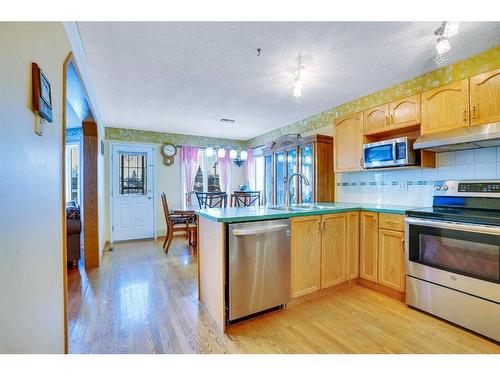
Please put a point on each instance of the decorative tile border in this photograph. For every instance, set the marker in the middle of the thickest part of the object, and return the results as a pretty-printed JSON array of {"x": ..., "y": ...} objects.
[{"x": 385, "y": 183}]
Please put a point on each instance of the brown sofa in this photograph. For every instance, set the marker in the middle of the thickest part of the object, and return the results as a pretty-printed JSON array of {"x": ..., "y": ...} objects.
[{"x": 73, "y": 231}]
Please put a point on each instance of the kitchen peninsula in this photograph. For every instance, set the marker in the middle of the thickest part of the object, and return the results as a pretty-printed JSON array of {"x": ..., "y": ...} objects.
[{"x": 326, "y": 249}]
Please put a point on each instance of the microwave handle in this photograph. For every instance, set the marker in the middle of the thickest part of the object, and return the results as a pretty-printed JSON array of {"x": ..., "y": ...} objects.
[{"x": 394, "y": 145}]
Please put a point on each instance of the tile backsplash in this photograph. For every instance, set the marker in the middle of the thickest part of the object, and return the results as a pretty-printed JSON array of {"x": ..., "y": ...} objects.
[{"x": 414, "y": 186}]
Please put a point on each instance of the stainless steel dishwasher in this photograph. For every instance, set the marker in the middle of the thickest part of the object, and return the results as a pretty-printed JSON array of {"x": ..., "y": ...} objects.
[{"x": 259, "y": 266}]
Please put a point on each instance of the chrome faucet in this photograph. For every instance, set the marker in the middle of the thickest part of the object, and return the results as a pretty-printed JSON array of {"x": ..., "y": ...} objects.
[{"x": 288, "y": 195}]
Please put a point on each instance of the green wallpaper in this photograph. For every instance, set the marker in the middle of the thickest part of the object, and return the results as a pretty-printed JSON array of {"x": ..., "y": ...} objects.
[
  {"x": 133, "y": 135},
  {"x": 483, "y": 62}
]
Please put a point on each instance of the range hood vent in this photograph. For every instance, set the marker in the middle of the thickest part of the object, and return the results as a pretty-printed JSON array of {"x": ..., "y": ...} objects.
[{"x": 487, "y": 135}]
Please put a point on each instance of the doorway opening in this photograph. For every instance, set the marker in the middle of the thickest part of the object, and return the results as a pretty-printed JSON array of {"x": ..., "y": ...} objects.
[{"x": 80, "y": 215}]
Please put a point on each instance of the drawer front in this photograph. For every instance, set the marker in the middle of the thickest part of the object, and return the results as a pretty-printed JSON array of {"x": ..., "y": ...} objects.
[{"x": 392, "y": 222}]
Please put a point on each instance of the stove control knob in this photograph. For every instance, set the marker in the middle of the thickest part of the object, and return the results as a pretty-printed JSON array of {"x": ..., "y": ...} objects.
[
  {"x": 445, "y": 187},
  {"x": 438, "y": 187}
]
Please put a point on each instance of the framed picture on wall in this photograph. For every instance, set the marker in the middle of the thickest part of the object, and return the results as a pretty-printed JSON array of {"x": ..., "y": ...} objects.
[{"x": 42, "y": 94}]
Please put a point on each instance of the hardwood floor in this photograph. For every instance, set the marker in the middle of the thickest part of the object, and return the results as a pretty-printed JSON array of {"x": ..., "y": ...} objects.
[{"x": 143, "y": 301}]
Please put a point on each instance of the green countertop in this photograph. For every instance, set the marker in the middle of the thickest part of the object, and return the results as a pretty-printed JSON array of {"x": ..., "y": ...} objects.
[{"x": 241, "y": 214}]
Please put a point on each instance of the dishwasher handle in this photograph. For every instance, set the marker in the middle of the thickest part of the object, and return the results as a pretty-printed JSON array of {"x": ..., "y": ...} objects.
[{"x": 252, "y": 231}]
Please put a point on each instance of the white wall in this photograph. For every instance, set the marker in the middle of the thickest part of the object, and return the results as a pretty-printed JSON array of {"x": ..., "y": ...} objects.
[
  {"x": 168, "y": 180},
  {"x": 31, "y": 269},
  {"x": 414, "y": 187}
]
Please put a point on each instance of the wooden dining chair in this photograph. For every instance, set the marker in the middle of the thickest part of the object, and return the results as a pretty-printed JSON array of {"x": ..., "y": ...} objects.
[
  {"x": 178, "y": 223},
  {"x": 245, "y": 198},
  {"x": 212, "y": 199}
]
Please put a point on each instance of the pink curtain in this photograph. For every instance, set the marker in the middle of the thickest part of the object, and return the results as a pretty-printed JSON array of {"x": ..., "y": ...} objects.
[
  {"x": 189, "y": 159},
  {"x": 250, "y": 170},
  {"x": 225, "y": 172}
]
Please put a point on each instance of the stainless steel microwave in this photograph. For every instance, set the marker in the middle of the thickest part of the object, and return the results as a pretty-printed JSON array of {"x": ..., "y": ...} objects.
[{"x": 396, "y": 152}]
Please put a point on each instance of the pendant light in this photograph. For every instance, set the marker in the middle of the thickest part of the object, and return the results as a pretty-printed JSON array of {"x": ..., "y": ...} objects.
[
  {"x": 297, "y": 84},
  {"x": 233, "y": 154},
  {"x": 221, "y": 153},
  {"x": 209, "y": 152},
  {"x": 243, "y": 155}
]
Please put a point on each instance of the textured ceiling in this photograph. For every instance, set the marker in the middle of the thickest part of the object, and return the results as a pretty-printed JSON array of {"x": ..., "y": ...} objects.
[{"x": 185, "y": 77}]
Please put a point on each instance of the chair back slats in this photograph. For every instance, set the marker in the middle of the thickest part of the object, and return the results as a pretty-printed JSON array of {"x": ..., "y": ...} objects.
[
  {"x": 245, "y": 199},
  {"x": 212, "y": 200},
  {"x": 166, "y": 210}
]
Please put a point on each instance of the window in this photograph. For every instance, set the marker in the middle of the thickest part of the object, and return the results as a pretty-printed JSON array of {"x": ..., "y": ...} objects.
[
  {"x": 133, "y": 174},
  {"x": 203, "y": 180},
  {"x": 72, "y": 183},
  {"x": 259, "y": 174}
]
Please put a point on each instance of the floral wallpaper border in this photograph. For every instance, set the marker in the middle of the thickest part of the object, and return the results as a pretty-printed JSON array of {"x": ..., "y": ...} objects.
[
  {"x": 483, "y": 62},
  {"x": 144, "y": 136}
]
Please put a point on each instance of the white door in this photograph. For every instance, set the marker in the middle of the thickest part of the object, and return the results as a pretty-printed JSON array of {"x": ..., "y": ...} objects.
[{"x": 132, "y": 192}]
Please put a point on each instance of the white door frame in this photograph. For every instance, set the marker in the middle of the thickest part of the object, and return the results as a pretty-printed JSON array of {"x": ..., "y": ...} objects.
[{"x": 131, "y": 146}]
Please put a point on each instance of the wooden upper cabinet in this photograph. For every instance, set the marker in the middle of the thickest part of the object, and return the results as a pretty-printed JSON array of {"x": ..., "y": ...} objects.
[
  {"x": 446, "y": 107},
  {"x": 333, "y": 250},
  {"x": 368, "y": 255},
  {"x": 391, "y": 262},
  {"x": 348, "y": 143},
  {"x": 352, "y": 245},
  {"x": 306, "y": 255},
  {"x": 485, "y": 98},
  {"x": 376, "y": 119},
  {"x": 405, "y": 112}
]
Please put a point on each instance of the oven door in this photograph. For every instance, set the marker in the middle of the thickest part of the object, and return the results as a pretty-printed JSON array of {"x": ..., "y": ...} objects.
[
  {"x": 380, "y": 154},
  {"x": 463, "y": 257}
]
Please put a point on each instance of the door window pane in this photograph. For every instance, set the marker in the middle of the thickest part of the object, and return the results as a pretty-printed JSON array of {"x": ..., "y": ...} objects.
[
  {"x": 280, "y": 178},
  {"x": 291, "y": 158},
  {"x": 269, "y": 179},
  {"x": 306, "y": 166},
  {"x": 132, "y": 174}
]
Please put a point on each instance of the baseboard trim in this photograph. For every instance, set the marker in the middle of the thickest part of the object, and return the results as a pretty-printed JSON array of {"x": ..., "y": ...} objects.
[
  {"x": 381, "y": 289},
  {"x": 320, "y": 293}
]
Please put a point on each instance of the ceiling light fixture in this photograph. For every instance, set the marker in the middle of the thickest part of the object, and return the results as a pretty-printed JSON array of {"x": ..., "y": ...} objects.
[
  {"x": 209, "y": 152},
  {"x": 243, "y": 155},
  {"x": 297, "y": 84},
  {"x": 450, "y": 29},
  {"x": 233, "y": 153},
  {"x": 446, "y": 30},
  {"x": 442, "y": 45}
]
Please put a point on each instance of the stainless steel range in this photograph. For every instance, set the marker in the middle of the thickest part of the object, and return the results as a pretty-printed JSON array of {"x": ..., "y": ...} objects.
[{"x": 453, "y": 255}]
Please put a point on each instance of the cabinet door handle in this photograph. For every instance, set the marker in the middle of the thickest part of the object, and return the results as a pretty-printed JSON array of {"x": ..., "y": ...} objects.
[
  {"x": 403, "y": 244},
  {"x": 324, "y": 226},
  {"x": 392, "y": 222},
  {"x": 473, "y": 112},
  {"x": 465, "y": 115},
  {"x": 392, "y": 120},
  {"x": 320, "y": 223},
  {"x": 386, "y": 120}
]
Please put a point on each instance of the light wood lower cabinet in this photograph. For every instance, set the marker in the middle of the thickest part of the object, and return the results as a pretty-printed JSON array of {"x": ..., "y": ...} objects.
[
  {"x": 333, "y": 249},
  {"x": 352, "y": 245},
  {"x": 391, "y": 259},
  {"x": 368, "y": 257},
  {"x": 306, "y": 255},
  {"x": 330, "y": 249},
  {"x": 325, "y": 251}
]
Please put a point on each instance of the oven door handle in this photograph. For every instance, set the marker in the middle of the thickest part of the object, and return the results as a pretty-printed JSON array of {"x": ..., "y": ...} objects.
[{"x": 476, "y": 228}]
